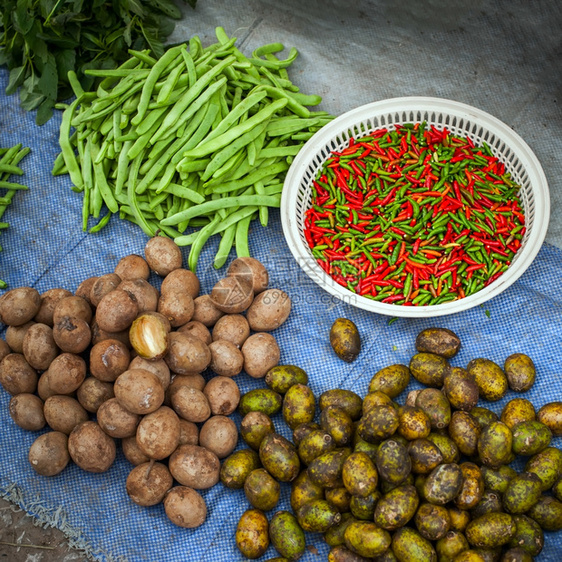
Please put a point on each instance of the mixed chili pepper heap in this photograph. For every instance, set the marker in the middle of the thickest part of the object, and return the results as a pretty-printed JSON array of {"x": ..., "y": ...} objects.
[{"x": 414, "y": 216}]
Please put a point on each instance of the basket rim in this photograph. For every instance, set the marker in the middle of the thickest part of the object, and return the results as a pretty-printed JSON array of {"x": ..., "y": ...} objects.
[{"x": 338, "y": 126}]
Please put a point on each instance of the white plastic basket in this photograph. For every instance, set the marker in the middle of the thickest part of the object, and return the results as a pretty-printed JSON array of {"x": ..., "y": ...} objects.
[{"x": 460, "y": 119}]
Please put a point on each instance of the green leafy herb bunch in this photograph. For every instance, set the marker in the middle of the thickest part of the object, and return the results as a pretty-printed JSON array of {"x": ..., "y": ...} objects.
[{"x": 41, "y": 40}]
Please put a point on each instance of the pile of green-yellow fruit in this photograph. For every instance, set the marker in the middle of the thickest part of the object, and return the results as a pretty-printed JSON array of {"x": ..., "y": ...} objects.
[{"x": 426, "y": 479}]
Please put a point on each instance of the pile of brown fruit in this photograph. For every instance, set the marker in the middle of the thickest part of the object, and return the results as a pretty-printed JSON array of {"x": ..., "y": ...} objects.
[
  {"x": 120, "y": 361},
  {"x": 423, "y": 480}
]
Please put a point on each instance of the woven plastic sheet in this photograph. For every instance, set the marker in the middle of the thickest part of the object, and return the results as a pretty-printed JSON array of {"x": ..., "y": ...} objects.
[
  {"x": 96, "y": 509},
  {"x": 350, "y": 58}
]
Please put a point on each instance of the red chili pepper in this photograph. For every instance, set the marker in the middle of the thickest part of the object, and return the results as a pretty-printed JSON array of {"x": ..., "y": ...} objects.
[
  {"x": 397, "y": 231},
  {"x": 393, "y": 298},
  {"x": 416, "y": 280},
  {"x": 493, "y": 278},
  {"x": 416, "y": 264},
  {"x": 415, "y": 148},
  {"x": 389, "y": 197},
  {"x": 431, "y": 194},
  {"x": 442, "y": 271},
  {"x": 349, "y": 150},
  {"x": 448, "y": 233},
  {"x": 386, "y": 271},
  {"x": 355, "y": 168},
  {"x": 452, "y": 204}
]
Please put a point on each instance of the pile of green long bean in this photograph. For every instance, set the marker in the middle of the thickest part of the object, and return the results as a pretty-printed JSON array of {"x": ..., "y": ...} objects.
[
  {"x": 9, "y": 160},
  {"x": 201, "y": 137}
]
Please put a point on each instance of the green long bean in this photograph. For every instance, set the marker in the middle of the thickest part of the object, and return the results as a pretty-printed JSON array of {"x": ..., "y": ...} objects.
[
  {"x": 67, "y": 149},
  {"x": 231, "y": 150},
  {"x": 233, "y": 133},
  {"x": 148, "y": 86},
  {"x": 224, "y": 203},
  {"x": 204, "y": 234},
  {"x": 194, "y": 144},
  {"x": 241, "y": 238},
  {"x": 10, "y": 158},
  {"x": 231, "y": 219},
  {"x": 191, "y": 95}
]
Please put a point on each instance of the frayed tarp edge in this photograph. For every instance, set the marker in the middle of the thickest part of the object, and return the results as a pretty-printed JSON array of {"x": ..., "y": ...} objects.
[{"x": 56, "y": 518}]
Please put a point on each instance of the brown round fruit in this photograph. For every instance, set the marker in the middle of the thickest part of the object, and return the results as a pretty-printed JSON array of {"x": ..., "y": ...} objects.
[
  {"x": 251, "y": 270},
  {"x": 223, "y": 395},
  {"x": 64, "y": 413},
  {"x": 183, "y": 280},
  {"x": 269, "y": 310},
  {"x": 205, "y": 311},
  {"x": 233, "y": 328},
  {"x": 261, "y": 353},
  {"x": 232, "y": 295},
  {"x": 226, "y": 359},
  {"x": 27, "y": 411},
  {"x": 158, "y": 433},
  {"x": 91, "y": 448},
  {"x": 177, "y": 306},
  {"x": 15, "y": 335},
  {"x": 194, "y": 466},
  {"x": 19, "y": 306},
  {"x": 108, "y": 359},
  {"x": 190, "y": 404},
  {"x": 17, "y": 375},
  {"x": 185, "y": 507},
  {"x": 72, "y": 334},
  {"x": 43, "y": 386},
  {"x": 93, "y": 393},
  {"x": 66, "y": 373},
  {"x": 187, "y": 354},
  {"x": 148, "y": 483},
  {"x": 132, "y": 451},
  {"x": 116, "y": 421},
  {"x": 219, "y": 434},
  {"x": 116, "y": 311},
  {"x": 139, "y": 391},
  {"x": 189, "y": 433},
  {"x": 73, "y": 306},
  {"x": 162, "y": 255},
  {"x": 39, "y": 347},
  {"x": 48, "y": 454},
  {"x": 132, "y": 267}
]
